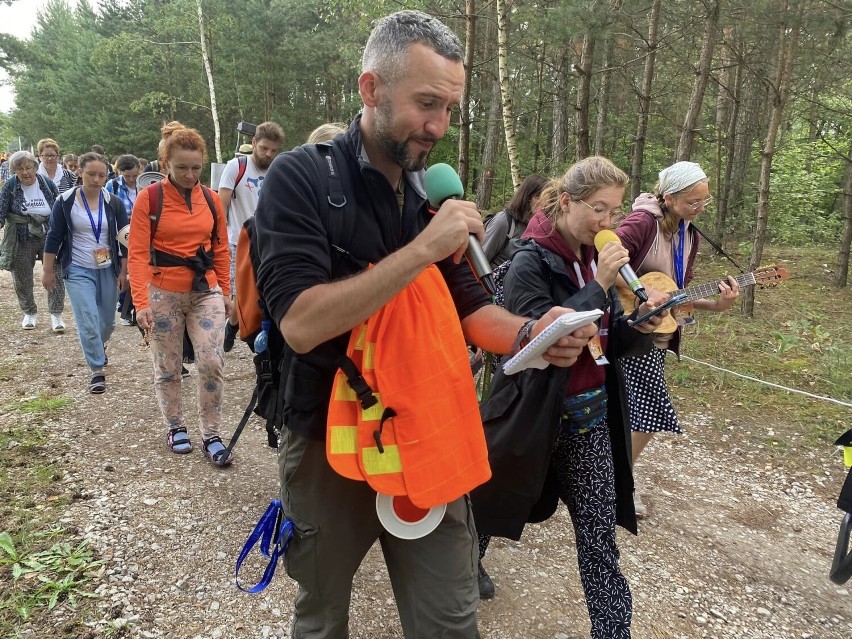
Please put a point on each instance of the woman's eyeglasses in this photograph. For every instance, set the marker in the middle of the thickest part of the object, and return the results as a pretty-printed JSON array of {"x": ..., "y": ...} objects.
[
  {"x": 48, "y": 156},
  {"x": 707, "y": 201},
  {"x": 601, "y": 212}
]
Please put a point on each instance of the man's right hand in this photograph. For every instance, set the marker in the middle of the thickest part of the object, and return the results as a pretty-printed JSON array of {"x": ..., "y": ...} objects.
[
  {"x": 565, "y": 352},
  {"x": 449, "y": 231}
]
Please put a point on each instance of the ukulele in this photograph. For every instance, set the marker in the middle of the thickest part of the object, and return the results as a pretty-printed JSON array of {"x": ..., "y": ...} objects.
[{"x": 764, "y": 276}]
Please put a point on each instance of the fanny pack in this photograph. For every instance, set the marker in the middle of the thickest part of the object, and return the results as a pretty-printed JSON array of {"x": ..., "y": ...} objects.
[{"x": 584, "y": 411}]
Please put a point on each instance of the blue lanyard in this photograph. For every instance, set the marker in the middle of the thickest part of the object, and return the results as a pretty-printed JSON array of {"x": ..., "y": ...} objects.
[
  {"x": 96, "y": 231},
  {"x": 677, "y": 250}
]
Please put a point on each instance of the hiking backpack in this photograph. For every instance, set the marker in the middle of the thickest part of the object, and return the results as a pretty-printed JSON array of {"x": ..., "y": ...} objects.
[{"x": 272, "y": 366}]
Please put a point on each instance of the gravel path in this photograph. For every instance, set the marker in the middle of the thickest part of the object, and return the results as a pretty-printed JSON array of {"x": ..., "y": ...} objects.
[{"x": 734, "y": 548}]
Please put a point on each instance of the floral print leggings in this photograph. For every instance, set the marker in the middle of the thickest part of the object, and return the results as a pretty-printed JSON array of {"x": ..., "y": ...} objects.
[{"x": 203, "y": 315}]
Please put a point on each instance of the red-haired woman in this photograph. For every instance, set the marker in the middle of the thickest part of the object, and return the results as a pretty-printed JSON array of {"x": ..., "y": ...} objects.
[{"x": 179, "y": 278}]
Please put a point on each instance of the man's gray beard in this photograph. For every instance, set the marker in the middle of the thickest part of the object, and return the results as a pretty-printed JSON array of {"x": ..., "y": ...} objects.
[{"x": 396, "y": 151}]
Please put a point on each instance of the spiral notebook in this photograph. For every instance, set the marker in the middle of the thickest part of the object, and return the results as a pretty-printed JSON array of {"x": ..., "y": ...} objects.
[{"x": 530, "y": 356}]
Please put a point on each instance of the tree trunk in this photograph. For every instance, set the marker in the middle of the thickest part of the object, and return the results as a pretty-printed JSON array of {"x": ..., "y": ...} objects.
[
  {"x": 687, "y": 134},
  {"x": 605, "y": 87},
  {"x": 843, "y": 258},
  {"x": 781, "y": 89},
  {"x": 645, "y": 102},
  {"x": 723, "y": 103},
  {"x": 581, "y": 122},
  {"x": 559, "y": 140},
  {"x": 505, "y": 91},
  {"x": 217, "y": 134},
  {"x": 490, "y": 88},
  {"x": 540, "y": 70},
  {"x": 464, "y": 105},
  {"x": 726, "y": 189}
]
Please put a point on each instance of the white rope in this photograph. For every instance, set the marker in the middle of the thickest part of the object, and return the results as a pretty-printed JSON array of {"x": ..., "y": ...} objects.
[{"x": 760, "y": 381}]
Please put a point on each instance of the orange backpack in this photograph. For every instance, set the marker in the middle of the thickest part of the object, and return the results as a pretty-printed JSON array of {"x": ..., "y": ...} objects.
[{"x": 403, "y": 414}]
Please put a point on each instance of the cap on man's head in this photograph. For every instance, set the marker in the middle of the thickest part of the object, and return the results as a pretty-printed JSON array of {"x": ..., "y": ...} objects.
[{"x": 246, "y": 149}]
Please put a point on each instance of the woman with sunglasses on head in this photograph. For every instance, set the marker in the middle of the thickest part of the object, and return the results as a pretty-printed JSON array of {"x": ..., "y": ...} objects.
[{"x": 660, "y": 237}]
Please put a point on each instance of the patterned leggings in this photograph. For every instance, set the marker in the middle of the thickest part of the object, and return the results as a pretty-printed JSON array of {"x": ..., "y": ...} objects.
[
  {"x": 203, "y": 315},
  {"x": 587, "y": 487},
  {"x": 22, "y": 278}
]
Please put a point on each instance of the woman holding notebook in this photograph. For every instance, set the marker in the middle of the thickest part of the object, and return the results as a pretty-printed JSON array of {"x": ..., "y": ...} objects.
[{"x": 563, "y": 434}]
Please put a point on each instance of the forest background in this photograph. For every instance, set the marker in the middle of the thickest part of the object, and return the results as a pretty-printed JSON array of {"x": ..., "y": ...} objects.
[{"x": 759, "y": 92}]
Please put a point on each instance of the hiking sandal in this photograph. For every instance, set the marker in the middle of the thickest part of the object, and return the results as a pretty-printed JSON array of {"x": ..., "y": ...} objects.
[
  {"x": 178, "y": 441},
  {"x": 97, "y": 385},
  {"x": 216, "y": 452}
]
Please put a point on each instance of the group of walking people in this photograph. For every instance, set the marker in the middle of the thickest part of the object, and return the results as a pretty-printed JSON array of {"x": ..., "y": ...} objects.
[{"x": 570, "y": 432}]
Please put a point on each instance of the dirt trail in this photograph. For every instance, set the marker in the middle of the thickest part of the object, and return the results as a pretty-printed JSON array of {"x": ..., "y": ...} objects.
[{"x": 733, "y": 548}]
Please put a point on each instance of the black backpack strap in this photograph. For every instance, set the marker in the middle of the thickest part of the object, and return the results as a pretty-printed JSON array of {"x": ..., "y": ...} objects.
[
  {"x": 337, "y": 209},
  {"x": 155, "y": 196},
  {"x": 208, "y": 196}
]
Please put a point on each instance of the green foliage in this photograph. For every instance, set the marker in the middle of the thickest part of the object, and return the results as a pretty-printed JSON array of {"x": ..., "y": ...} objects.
[
  {"x": 42, "y": 404},
  {"x": 41, "y": 579},
  {"x": 804, "y": 193},
  {"x": 114, "y": 75}
]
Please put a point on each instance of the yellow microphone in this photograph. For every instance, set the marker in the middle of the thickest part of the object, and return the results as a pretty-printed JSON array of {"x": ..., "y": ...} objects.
[{"x": 605, "y": 237}]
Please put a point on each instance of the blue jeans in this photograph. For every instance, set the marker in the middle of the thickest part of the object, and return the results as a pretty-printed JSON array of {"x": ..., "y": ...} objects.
[{"x": 94, "y": 294}]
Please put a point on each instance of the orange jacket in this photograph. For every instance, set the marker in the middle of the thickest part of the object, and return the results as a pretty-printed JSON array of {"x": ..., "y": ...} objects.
[
  {"x": 180, "y": 232},
  {"x": 423, "y": 436}
]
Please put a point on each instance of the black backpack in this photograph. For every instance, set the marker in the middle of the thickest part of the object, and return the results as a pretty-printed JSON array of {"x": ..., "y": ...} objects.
[{"x": 272, "y": 366}]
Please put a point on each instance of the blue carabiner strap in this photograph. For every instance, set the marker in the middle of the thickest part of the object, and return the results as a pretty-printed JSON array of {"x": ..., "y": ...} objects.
[{"x": 272, "y": 525}]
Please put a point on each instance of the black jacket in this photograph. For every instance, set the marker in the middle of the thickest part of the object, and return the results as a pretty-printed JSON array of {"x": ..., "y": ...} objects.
[
  {"x": 521, "y": 413},
  {"x": 61, "y": 236},
  {"x": 295, "y": 254}
]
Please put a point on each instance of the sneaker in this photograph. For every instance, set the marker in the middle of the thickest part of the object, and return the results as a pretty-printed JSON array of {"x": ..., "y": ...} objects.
[
  {"x": 231, "y": 331},
  {"x": 486, "y": 586},
  {"x": 184, "y": 372},
  {"x": 29, "y": 322},
  {"x": 126, "y": 321},
  {"x": 639, "y": 506},
  {"x": 58, "y": 323}
]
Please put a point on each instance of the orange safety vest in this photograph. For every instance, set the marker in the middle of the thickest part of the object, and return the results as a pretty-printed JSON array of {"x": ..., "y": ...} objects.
[{"x": 403, "y": 414}]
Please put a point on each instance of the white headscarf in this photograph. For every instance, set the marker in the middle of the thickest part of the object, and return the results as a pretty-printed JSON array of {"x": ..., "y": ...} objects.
[{"x": 680, "y": 176}]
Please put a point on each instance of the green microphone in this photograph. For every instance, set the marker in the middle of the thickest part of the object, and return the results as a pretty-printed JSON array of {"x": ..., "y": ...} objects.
[{"x": 443, "y": 183}]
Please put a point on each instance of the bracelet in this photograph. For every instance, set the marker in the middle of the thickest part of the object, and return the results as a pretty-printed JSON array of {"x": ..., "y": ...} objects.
[{"x": 523, "y": 337}]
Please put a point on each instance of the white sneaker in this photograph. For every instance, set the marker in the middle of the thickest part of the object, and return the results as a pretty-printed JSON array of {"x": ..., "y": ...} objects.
[
  {"x": 58, "y": 323},
  {"x": 641, "y": 508},
  {"x": 29, "y": 322}
]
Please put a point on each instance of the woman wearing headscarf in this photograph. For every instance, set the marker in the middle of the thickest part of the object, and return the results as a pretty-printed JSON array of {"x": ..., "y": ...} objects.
[
  {"x": 26, "y": 200},
  {"x": 84, "y": 235},
  {"x": 660, "y": 236}
]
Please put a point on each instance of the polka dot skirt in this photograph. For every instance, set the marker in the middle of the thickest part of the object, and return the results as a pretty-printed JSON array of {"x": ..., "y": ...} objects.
[{"x": 651, "y": 409}]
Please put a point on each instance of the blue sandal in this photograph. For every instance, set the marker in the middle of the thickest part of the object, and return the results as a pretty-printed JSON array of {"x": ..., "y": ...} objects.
[
  {"x": 216, "y": 452},
  {"x": 178, "y": 441}
]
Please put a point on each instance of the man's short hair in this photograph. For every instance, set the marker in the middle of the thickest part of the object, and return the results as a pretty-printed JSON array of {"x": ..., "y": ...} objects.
[
  {"x": 271, "y": 131},
  {"x": 393, "y": 34}
]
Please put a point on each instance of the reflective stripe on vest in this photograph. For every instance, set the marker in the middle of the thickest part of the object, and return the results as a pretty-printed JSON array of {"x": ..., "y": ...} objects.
[{"x": 423, "y": 437}]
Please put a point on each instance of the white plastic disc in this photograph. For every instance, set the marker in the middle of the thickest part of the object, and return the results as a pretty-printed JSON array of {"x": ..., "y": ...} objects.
[
  {"x": 403, "y": 519},
  {"x": 124, "y": 235}
]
